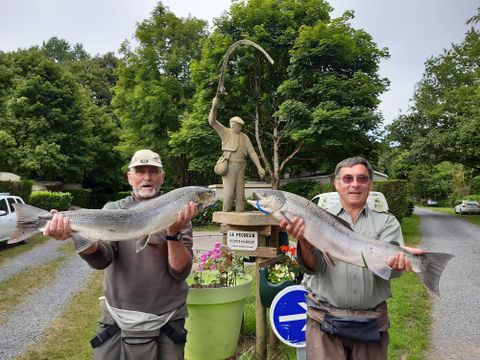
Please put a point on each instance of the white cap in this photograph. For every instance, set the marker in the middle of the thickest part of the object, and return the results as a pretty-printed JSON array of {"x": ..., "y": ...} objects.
[{"x": 145, "y": 158}]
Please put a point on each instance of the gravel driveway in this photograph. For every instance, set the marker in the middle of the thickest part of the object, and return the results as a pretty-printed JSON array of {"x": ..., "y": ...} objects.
[
  {"x": 456, "y": 313},
  {"x": 27, "y": 322}
]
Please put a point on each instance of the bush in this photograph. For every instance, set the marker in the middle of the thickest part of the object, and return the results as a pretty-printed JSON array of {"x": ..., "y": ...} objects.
[
  {"x": 301, "y": 188},
  {"x": 98, "y": 200},
  {"x": 81, "y": 197},
  {"x": 51, "y": 200},
  {"x": 395, "y": 192},
  {"x": 205, "y": 217},
  {"x": 22, "y": 188},
  {"x": 307, "y": 188},
  {"x": 410, "y": 207}
]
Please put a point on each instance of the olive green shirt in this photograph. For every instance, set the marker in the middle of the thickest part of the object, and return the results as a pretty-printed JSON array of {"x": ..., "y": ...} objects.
[{"x": 348, "y": 286}]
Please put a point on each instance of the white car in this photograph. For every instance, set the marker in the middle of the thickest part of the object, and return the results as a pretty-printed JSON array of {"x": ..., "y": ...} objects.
[
  {"x": 376, "y": 200},
  {"x": 8, "y": 220},
  {"x": 468, "y": 207}
]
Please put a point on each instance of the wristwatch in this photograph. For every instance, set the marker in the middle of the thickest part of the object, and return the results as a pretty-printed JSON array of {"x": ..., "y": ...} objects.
[{"x": 177, "y": 237}]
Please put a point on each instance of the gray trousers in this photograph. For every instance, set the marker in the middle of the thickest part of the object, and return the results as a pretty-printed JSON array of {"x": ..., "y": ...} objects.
[{"x": 137, "y": 345}]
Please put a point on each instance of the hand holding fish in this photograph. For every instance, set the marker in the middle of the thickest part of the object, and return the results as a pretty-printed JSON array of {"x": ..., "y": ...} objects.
[
  {"x": 59, "y": 227},
  {"x": 400, "y": 262},
  {"x": 184, "y": 216}
]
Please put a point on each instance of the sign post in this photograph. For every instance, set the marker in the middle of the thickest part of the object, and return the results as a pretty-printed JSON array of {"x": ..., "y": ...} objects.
[{"x": 288, "y": 316}]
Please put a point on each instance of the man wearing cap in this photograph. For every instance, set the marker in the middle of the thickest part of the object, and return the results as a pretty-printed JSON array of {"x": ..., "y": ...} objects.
[
  {"x": 236, "y": 146},
  {"x": 143, "y": 309}
]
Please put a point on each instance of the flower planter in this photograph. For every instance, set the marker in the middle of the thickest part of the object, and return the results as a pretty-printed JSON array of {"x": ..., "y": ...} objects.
[
  {"x": 214, "y": 320},
  {"x": 268, "y": 290}
]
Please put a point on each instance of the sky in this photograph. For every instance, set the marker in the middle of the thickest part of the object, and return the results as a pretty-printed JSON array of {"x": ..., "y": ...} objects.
[{"x": 412, "y": 30}]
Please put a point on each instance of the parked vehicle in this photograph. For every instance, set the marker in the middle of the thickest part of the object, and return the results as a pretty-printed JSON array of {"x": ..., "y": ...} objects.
[
  {"x": 376, "y": 200},
  {"x": 468, "y": 207},
  {"x": 431, "y": 202},
  {"x": 8, "y": 220}
]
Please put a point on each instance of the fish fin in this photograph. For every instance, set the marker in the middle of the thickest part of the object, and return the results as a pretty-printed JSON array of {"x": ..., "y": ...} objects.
[
  {"x": 30, "y": 222},
  {"x": 393, "y": 242},
  {"x": 364, "y": 261},
  {"x": 81, "y": 243},
  {"x": 432, "y": 266},
  {"x": 328, "y": 258},
  {"x": 381, "y": 270},
  {"x": 285, "y": 217},
  {"x": 140, "y": 244},
  {"x": 338, "y": 219}
]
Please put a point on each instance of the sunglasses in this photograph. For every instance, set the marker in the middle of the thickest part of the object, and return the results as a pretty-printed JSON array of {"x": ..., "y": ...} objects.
[{"x": 361, "y": 179}]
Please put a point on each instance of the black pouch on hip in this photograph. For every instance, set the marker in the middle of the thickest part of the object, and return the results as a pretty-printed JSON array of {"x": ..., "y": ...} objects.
[
  {"x": 175, "y": 330},
  {"x": 357, "y": 329}
]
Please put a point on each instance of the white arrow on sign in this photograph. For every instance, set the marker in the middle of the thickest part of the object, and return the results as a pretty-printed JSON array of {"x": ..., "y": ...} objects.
[{"x": 295, "y": 317}]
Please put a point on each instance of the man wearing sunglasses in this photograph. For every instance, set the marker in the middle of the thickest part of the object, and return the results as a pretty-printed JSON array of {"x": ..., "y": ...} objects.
[{"x": 347, "y": 309}]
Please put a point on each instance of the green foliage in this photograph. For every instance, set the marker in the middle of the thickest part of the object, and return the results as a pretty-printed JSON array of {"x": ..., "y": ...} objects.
[
  {"x": 443, "y": 122},
  {"x": 475, "y": 185},
  {"x": 81, "y": 197},
  {"x": 318, "y": 98},
  {"x": 410, "y": 207},
  {"x": 49, "y": 200},
  {"x": 395, "y": 191},
  {"x": 307, "y": 189},
  {"x": 300, "y": 187},
  {"x": 98, "y": 200},
  {"x": 21, "y": 188},
  {"x": 205, "y": 217},
  {"x": 154, "y": 84}
]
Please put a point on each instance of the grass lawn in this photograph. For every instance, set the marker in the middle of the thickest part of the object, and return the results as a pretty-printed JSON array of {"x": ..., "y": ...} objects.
[
  {"x": 409, "y": 308},
  {"x": 69, "y": 336}
]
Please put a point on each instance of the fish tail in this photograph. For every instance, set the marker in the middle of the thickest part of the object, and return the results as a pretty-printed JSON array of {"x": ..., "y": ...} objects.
[
  {"x": 30, "y": 221},
  {"x": 432, "y": 266}
]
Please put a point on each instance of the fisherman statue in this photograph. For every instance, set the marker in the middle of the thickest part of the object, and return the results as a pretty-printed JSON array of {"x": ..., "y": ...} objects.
[{"x": 231, "y": 166}]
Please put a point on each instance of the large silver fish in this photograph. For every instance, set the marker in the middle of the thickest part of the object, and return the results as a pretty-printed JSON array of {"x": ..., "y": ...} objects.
[
  {"x": 336, "y": 240},
  {"x": 139, "y": 222}
]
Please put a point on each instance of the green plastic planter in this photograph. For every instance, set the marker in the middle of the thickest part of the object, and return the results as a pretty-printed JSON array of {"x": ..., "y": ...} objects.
[
  {"x": 214, "y": 320},
  {"x": 269, "y": 290}
]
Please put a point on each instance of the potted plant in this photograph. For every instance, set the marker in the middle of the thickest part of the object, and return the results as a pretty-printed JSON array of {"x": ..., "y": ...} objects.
[
  {"x": 278, "y": 273},
  {"x": 219, "y": 288}
]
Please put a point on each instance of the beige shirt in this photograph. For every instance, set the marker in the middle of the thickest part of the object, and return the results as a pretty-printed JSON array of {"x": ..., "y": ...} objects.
[{"x": 347, "y": 286}]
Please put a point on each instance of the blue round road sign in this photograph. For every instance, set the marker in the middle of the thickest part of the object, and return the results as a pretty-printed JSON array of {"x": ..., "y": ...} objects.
[{"x": 288, "y": 316}]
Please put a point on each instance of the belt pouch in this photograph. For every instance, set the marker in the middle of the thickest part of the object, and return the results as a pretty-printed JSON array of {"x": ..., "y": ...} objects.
[
  {"x": 357, "y": 329},
  {"x": 140, "y": 345}
]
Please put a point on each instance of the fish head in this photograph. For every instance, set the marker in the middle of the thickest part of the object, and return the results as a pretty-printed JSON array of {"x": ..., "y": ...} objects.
[
  {"x": 205, "y": 198},
  {"x": 268, "y": 201}
]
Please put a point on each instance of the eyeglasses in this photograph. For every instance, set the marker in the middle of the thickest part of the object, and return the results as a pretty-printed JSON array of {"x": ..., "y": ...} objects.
[{"x": 361, "y": 179}]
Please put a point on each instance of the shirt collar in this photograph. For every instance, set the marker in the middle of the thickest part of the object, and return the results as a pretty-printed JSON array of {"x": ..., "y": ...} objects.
[{"x": 338, "y": 209}]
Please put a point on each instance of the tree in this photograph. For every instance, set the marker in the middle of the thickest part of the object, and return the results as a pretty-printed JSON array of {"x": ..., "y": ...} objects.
[
  {"x": 443, "y": 123},
  {"x": 60, "y": 50},
  {"x": 51, "y": 126},
  {"x": 154, "y": 85},
  {"x": 294, "y": 110}
]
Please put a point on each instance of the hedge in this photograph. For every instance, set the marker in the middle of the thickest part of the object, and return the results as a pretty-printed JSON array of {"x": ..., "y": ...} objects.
[
  {"x": 51, "y": 200},
  {"x": 22, "y": 188},
  {"x": 395, "y": 192},
  {"x": 81, "y": 197}
]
